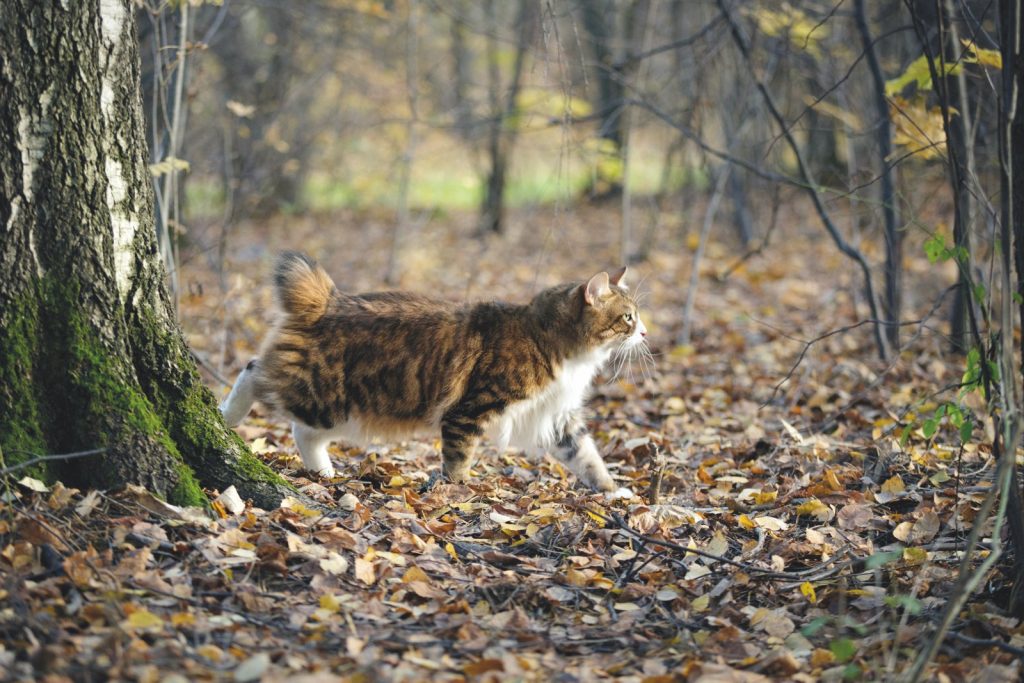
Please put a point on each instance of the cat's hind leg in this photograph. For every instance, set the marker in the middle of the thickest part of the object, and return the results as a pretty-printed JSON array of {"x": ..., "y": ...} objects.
[
  {"x": 312, "y": 444},
  {"x": 236, "y": 406}
]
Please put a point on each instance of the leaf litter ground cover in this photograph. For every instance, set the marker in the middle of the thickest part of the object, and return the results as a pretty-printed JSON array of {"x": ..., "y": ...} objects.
[{"x": 782, "y": 531}]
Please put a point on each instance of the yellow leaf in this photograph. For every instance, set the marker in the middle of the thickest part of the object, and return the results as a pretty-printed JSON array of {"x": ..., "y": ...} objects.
[
  {"x": 765, "y": 497},
  {"x": 808, "y": 592},
  {"x": 329, "y": 603},
  {"x": 746, "y": 522},
  {"x": 692, "y": 240},
  {"x": 597, "y": 518},
  {"x": 291, "y": 503},
  {"x": 759, "y": 615},
  {"x": 917, "y": 72},
  {"x": 414, "y": 573},
  {"x": 983, "y": 56},
  {"x": 211, "y": 652},
  {"x": 143, "y": 620},
  {"x": 450, "y": 549},
  {"x": 700, "y": 604},
  {"x": 183, "y": 619},
  {"x": 815, "y": 508},
  {"x": 832, "y": 480},
  {"x": 575, "y": 577},
  {"x": 917, "y": 128},
  {"x": 219, "y": 508},
  {"x": 893, "y": 485}
]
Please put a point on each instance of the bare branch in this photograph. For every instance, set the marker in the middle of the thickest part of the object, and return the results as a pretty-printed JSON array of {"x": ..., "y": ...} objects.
[{"x": 810, "y": 185}]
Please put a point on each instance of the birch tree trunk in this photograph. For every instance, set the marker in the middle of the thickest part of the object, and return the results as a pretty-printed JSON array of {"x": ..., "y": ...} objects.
[{"x": 90, "y": 356}]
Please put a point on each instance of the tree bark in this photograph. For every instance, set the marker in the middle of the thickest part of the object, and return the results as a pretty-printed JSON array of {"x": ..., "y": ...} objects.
[
  {"x": 90, "y": 355},
  {"x": 1011, "y": 138},
  {"x": 503, "y": 129},
  {"x": 597, "y": 18},
  {"x": 883, "y": 137}
]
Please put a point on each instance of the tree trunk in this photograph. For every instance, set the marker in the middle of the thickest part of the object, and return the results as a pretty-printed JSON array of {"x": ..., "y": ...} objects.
[
  {"x": 503, "y": 129},
  {"x": 1011, "y": 134},
  {"x": 256, "y": 51},
  {"x": 90, "y": 356},
  {"x": 962, "y": 158},
  {"x": 597, "y": 21},
  {"x": 461, "y": 61},
  {"x": 883, "y": 137}
]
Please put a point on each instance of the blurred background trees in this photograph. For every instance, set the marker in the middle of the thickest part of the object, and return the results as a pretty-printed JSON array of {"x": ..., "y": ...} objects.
[{"x": 408, "y": 108}]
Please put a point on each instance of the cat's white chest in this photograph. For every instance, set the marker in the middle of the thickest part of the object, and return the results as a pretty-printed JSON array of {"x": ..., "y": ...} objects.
[{"x": 538, "y": 421}]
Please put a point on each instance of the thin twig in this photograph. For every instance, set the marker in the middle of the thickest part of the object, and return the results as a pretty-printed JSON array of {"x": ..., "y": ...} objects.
[
  {"x": 988, "y": 642},
  {"x": 831, "y": 333},
  {"x": 47, "y": 458},
  {"x": 619, "y": 523},
  {"x": 209, "y": 368}
]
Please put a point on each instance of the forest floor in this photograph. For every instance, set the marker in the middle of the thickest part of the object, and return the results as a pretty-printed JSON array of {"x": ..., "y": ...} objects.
[{"x": 782, "y": 530}]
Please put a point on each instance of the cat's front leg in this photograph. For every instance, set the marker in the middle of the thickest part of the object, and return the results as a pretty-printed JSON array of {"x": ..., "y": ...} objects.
[{"x": 576, "y": 450}]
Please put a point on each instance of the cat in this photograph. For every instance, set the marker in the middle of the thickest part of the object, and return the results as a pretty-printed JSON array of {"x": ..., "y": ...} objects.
[{"x": 394, "y": 364}]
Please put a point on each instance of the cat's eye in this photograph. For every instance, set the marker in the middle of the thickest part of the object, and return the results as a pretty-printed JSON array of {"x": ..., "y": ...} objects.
[{"x": 628, "y": 317}]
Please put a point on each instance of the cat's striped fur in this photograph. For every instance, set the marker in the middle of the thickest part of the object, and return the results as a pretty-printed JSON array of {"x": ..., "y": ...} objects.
[{"x": 392, "y": 364}]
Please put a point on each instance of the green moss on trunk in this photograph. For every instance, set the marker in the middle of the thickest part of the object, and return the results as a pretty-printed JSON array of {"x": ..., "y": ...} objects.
[
  {"x": 21, "y": 429},
  {"x": 101, "y": 405},
  {"x": 167, "y": 372}
]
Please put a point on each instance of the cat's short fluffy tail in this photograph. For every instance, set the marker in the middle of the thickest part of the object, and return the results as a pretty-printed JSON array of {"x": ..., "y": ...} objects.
[{"x": 303, "y": 288}]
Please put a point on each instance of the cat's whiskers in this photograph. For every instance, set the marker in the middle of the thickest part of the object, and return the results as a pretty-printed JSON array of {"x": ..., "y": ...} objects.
[
  {"x": 620, "y": 359},
  {"x": 628, "y": 356},
  {"x": 646, "y": 361}
]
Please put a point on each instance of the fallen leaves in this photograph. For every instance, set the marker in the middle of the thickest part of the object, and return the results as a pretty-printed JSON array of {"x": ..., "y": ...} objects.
[{"x": 792, "y": 536}]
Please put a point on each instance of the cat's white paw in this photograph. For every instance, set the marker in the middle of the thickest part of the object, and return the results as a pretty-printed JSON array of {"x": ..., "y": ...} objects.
[
  {"x": 622, "y": 493},
  {"x": 326, "y": 472}
]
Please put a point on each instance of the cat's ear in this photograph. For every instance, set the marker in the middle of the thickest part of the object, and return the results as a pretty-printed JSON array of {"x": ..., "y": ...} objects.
[
  {"x": 616, "y": 278},
  {"x": 596, "y": 288}
]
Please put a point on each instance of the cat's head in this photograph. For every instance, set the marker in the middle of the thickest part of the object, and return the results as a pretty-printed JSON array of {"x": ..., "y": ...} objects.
[{"x": 609, "y": 315}]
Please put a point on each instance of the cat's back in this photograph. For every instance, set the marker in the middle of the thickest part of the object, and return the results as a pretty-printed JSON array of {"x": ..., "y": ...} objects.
[
  {"x": 380, "y": 317},
  {"x": 392, "y": 304}
]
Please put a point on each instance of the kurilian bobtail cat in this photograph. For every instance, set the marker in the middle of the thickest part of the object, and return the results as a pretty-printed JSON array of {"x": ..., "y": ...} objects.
[{"x": 391, "y": 364}]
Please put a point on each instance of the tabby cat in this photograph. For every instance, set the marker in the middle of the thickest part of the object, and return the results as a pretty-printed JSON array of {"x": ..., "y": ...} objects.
[{"x": 392, "y": 364}]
